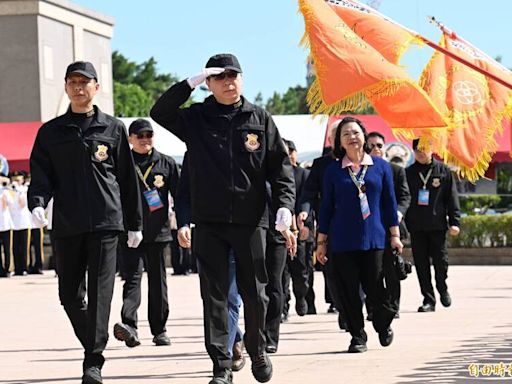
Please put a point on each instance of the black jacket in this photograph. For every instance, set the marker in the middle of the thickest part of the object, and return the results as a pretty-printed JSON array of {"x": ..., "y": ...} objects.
[
  {"x": 91, "y": 176},
  {"x": 443, "y": 198},
  {"x": 164, "y": 177},
  {"x": 312, "y": 191},
  {"x": 230, "y": 159},
  {"x": 402, "y": 194}
]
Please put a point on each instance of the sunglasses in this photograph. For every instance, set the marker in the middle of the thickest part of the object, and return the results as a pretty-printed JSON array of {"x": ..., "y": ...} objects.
[
  {"x": 378, "y": 145},
  {"x": 144, "y": 135},
  {"x": 223, "y": 75}
]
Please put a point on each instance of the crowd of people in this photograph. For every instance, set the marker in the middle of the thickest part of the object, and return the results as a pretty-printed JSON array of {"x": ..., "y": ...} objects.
[{"x": 250, "y": 215}]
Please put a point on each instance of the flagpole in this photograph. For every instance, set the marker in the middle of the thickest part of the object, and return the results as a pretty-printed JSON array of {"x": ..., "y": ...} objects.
[{"x": 458, "y": 58}]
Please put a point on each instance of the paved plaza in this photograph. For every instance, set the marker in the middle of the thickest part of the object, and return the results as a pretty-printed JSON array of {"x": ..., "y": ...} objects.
[{"x": 37, "y": 344}]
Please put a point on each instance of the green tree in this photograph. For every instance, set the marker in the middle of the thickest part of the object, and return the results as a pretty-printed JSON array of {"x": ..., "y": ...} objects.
[{"x": 137, "y": 86}]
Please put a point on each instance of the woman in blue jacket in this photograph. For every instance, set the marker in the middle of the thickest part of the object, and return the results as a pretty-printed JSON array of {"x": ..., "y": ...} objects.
[{"x": 358, "y": 213}]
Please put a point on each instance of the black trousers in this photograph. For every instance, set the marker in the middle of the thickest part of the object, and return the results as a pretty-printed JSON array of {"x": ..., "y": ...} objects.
[
  {"x": 212, "y": 244},
  {"x": 20, "y": 250},
  {"x": 275, "y": 261},
  {"x": 362, "y": 268},
  {"x": 152, "y": 256},
  {"x": 297, "y": 271},
  {"x": 426, "y": 246},
  {"x": 36, "y": 242},
  {"x": 94, "y": 252},
  {"x": 180, "y": 258},
  {"x": 393, "y": 289},
  {"x": 6, "y": 245},
  {"x": 310, "y": 295},
  {"x": 332, "y": 286}
]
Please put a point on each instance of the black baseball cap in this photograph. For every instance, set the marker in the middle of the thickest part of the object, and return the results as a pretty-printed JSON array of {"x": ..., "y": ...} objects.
[
  {"x": 224, "y": 60},
  {"x": 291, "y": 145},
  {"x": 140, "y": 125},
  {"x": 83, "y": 68}
]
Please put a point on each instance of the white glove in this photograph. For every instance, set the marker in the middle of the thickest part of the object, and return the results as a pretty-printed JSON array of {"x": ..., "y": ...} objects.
[
  {"x": 283, "y": 219},
  {"x": 194, "y": 81},
  {"x": 39, "y": 217},
  {"x": 134, "y": 238}
]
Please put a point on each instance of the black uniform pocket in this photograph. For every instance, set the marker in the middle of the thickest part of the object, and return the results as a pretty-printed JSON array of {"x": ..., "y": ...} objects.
[
  {"x": 251, "y": 138},
  {"x": 101, "y": 149}
]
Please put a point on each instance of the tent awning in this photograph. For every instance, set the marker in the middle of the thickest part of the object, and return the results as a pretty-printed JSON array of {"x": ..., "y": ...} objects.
[{"x": 16, "y": 143}]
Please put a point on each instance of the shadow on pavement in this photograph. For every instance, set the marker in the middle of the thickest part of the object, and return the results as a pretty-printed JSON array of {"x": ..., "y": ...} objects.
[{"x": 487, "y": 358}]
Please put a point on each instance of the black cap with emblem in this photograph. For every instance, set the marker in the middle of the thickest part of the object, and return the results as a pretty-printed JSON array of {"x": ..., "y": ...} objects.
[
  {"x": 140, "y": 125},
  {"x": 224, "y": 60},
  {"x": 83, "y": 68}
]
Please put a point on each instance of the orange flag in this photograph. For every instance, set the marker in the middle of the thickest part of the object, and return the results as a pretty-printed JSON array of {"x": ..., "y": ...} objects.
[
  {"x": 474, "y": 104},
  {"x": 350, "y": 73},
  {"x": 382, "y": 33}
]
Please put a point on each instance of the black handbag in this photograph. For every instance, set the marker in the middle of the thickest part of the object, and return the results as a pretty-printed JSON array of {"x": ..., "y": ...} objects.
[{"x": 402, "y": 267}]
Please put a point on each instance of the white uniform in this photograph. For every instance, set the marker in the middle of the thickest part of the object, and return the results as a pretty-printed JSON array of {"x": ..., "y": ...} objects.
[{"x": 6, "y": 199}]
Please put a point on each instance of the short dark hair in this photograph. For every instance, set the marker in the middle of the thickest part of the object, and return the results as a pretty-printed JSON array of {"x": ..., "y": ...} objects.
[
  {"x": 377, "y": 134},
  {"x": 338, "y": 151}
]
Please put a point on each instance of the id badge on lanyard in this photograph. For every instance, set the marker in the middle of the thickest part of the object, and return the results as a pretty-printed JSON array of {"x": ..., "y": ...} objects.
[
  {"x": 363, "y": 199},
  {"x": 365, "y": 207},
  {"x": 423, "y": 196},
  {"x": 153, "y": 199}
]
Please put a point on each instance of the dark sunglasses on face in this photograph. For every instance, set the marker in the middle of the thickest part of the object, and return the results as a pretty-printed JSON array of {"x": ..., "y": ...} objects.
[
  {"x": 378, "y": 145},
  {"x": 223, "y": 75},
  {"x": 144, "y": 135}
]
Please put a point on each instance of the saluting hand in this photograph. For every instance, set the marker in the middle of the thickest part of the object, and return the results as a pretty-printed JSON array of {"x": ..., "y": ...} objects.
[
  {"x": 185, "y": 237},
  {"x": 196, "y": 80}
]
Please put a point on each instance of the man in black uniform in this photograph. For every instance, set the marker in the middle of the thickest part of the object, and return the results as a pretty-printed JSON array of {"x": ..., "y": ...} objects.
[
  {"x": 434, "y": 198},
  {"x": 83, "y": 160},
  {"x": 234, "y": 148},
  {"x": 376, "y": 143},
  {"x": 297, "y": 269},
  {"x": 158, "y": 176}
]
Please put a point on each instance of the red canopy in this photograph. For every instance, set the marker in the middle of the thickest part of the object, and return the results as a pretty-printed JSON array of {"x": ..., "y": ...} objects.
[{"x": 16, "y": 141}]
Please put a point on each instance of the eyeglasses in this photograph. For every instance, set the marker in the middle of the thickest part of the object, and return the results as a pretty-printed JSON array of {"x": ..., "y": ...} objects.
[
  {"x": 221, "y": 76},
  {"x": 145, "y": 135},
  {"x": 378, "y": 145}
]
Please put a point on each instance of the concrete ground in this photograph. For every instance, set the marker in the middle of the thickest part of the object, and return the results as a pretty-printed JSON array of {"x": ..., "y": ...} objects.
[{"x": 37, "y": 344}]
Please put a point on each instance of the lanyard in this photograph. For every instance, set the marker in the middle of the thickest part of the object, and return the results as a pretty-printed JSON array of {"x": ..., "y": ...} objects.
[
  {"x": 425, "y": 179},
  {"x": 359, "y": 183},
  {"x": 144, "y": 177}
]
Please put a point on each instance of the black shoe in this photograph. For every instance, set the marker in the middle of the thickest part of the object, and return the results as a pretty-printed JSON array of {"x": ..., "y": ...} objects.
[
  {"x": 357, "y": 346},
  {"x": 397, "y": 315},
  {"x": 446, "y": 300},
  {"x": 427, "y": 308},
  {"x": 386, "y": 337},
  {"x": 301, "y": 307},
  {"x": 124, "y": 332},
  {"x": 332, "y": 309},
  {"x": 271, "y": 348},
  {"x": 224, "y": 376},
  {"x": 284, "y": 318},
  {"x": 92, "y": 375},
  {"x": 261, "y": 368},
  {"x": 161, "y": 339},
  {"x": 311, "y": 309},
  {"x": 238, "y": 359}
]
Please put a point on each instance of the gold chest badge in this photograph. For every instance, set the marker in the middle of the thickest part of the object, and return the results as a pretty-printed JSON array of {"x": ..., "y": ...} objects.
[
  {"x": 251, "y": 142},
  {"x": 159, "y": 181},
  {"x": 101, "y": 152},
  {"x": 436, "y": 182}
]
